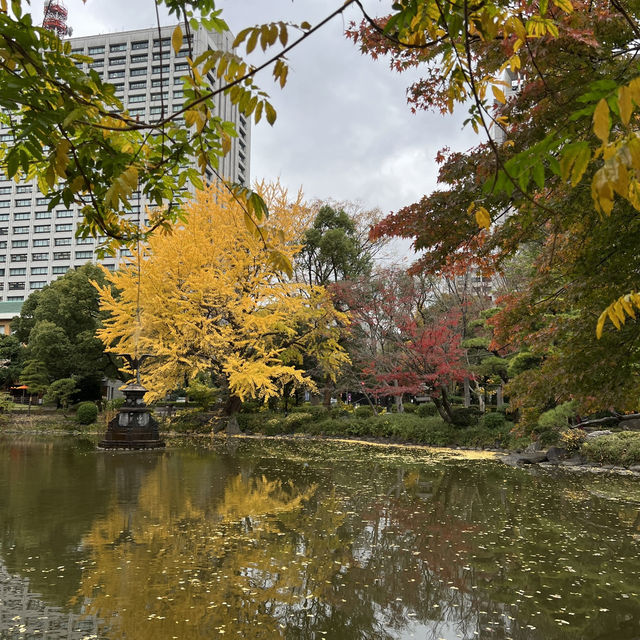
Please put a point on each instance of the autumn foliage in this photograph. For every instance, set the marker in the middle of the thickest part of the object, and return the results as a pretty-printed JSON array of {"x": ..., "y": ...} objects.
[{"x": 207, "y": 300}]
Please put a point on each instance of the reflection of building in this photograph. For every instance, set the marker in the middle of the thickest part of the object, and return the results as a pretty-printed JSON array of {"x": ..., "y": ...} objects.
[
  {"x": 23, "y": 614},
  {"x": 8, "y": 311},
  {"x": 38, "y": 245}
]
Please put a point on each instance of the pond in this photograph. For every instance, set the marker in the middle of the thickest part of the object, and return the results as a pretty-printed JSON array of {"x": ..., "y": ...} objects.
[{"x": 264, "y": 539}]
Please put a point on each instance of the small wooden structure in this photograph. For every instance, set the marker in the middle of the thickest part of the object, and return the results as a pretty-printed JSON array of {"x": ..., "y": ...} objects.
[{"x": 134, "y": 427}]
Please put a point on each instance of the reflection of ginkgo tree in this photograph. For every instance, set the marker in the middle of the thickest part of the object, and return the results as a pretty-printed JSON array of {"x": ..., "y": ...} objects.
[
  {"x": 201, "y": 571},
  {"x": 207, "y": 300}
]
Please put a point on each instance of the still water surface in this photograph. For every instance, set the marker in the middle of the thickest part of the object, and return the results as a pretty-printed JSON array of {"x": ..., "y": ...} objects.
[{"x": 309, "y": 540}]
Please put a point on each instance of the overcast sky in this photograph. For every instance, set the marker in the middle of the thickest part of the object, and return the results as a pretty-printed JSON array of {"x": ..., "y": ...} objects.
[{"x": 344, "y": 129}]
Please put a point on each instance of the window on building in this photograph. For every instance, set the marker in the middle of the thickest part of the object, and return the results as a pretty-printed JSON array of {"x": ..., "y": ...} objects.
[
  {"x": 176, "y": 107},
  {"x": 42, "y": 201},
  {"x": 5, "y": 190},
  {"x": 62, "y": 255},
  {"x": 125, "y": 253},
  {"x": 178, "y": 94},
  {"x": 138, "y": 84},
  {"x": 22, "y": 216},
  {"x": 43, "y": 215},
  {"x": 183, "y": 53},
  {"x": 137, "y": 112},
  {"x": 6, "y": 137},
  {"x": 164, "y": 82},
  {"x": 19, "y": 230},
  {"x": 37, "y": 284},
  {"x": 62, "y": 242},
  {"x": 39, "y": 257},
  {"x": 4, "y": 231},
  {"x": 24, "y": 188},
  {"x": 141, "y": 44},
  {"x": 178, "y": 80},
  {"x": 39, "y": 271},
  {"x": 117, "y": 62},
  {"x": 138, "y": 98},
  {"x": 14, "y": 298},
  {"x": 60, "y": 269},
  {"x": 84, "y": 241},
  {"x": 119, "y": 87},
  {"x": 4, "y": 217},
  {"x": 138, "y": 71},
  {"x": 120, "y": 46},
  {"x": 16, "y": 286},
  {"x": 41, "y": 242},
  {"x": 96, "y": 64},
  {"x": 5, "y": 204},
  {"x": 64, "y": 213},
  {"x": 181, "y": 66},
  {"x": 23, "y": 202},
  {"x": 18, "y": 257},
  {"x": 116, "y": 74},
  {"x": 139, "y": 59},
  {"x": 3, "y": 244},
  {"x": 94, "y": 50},
  {"x": 64, "y": 227},
  {"x": 84, "y": 255},
  {"x": 155, "y": 111},
  {"x": 160, "y": 69},
  {"x": 42, "y": 228},
  {"x": 165, "y": 42},
  {"x": 19, "y": 271},
  {"x": 17, "y": 244},
  {"x": 110, "y": 267},
  {"x": 164, "y": 55},
  {"x": 157, "y": 97}
]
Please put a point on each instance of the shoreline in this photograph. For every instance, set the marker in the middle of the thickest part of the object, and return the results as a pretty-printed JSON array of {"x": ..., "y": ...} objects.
[{"x": 511, "y": 458}]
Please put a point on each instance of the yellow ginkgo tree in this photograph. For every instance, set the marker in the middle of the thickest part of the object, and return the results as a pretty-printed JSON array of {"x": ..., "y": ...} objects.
[{"x": 208, "y": 300}]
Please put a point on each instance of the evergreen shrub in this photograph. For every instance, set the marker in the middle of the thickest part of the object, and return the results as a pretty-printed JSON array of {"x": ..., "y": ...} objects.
[
  {"x": 427, "y": 409},
  {"x": 492, "y": 420},
  {"x": 86, "y": 413}
]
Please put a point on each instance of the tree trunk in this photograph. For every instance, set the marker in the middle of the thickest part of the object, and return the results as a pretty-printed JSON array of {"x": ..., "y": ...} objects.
[
  {"x": 500, "y": 397},
  {"x": 398, "y": 398},
  {"x": 443, "y": 406},
  {"x": 231, "y": 409},
  {"x": 467, "y": 393}
]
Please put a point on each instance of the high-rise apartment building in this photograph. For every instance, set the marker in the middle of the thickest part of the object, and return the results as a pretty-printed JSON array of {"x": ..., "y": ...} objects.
[{"x": 38, "y": 245}]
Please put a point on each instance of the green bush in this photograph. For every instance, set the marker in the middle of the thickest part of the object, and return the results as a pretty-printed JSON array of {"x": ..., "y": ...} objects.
[
  {"x": 456, "y": 400},
  {"x": 619, "y": 448},
  {"x": 427, "y": 410},
  {"x": 86, "y": 413},
  {"x": 492, "y": 420},
  {"x": 409, "y": 407},
  {"x": 551, "y": 423},
  {"x": 363, "y": 412},
  {"x": 465, "y": 416},
  {"x": 339, "y": 411}
]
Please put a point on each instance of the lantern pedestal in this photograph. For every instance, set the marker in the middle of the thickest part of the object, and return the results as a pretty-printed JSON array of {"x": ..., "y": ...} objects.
[{"x": 134, "y": 427}]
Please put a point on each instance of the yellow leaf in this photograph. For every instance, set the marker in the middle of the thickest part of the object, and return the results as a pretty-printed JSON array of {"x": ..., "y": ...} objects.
[
  {"x": 565, "y": 5},
  {"x": 483, "y": 218},
  {"x": 625, "y": 104},
  {"x": 498, "y": 94},
  {"x": 176, "y": 38},
  {"x": 602, "y": 121}
]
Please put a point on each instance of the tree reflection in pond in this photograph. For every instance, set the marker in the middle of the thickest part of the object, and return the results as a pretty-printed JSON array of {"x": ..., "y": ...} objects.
[{"x": 317, "y": 540}]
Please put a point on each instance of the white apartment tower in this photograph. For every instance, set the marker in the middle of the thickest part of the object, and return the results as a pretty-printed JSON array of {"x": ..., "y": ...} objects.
[{"x": 38, "y": 245}]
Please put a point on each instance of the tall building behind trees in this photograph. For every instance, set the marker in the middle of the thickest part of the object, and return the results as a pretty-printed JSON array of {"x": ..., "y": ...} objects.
[{"x": 38, "y": 245}]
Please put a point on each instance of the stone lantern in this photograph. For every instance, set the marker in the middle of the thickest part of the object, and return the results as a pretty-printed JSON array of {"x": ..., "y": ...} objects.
[{"x": 134, "y": 427}]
